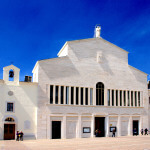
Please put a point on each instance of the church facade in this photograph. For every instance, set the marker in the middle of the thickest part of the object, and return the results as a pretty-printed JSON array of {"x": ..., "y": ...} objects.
[
  {"x": 88, "y": 90},
  {"x": 18, "y": 105},
  {"x": 89, "y": 87}
]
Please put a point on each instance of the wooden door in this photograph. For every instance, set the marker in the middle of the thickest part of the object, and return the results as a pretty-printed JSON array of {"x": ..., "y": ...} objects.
[{"x": 9, "y": 131}]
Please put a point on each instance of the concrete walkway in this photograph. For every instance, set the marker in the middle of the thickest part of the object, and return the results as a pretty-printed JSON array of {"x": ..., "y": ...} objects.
[{"x": 106, "y": 143}]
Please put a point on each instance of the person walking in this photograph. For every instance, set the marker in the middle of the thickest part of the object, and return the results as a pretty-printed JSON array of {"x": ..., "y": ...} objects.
[
  {"x": 113, "y": 133},
  {"x": 134, "y": 132},
  {"x": 142, "y": 131},
  {"x": 146, "y": 131},
  {"x": 21, "y": 135},
  {"x": 17, "y": 136},
  {"x": 96, "y": 132}
]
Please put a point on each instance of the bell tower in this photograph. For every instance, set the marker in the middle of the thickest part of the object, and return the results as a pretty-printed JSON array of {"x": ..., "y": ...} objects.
[{"x": 11, "y": 74}]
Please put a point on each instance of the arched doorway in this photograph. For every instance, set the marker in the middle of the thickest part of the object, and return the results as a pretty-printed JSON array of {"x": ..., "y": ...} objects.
[{"x": 9, "y": 129}]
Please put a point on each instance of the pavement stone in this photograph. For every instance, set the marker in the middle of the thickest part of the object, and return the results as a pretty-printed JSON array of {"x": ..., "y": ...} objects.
[{"x": 104, "y": 143}]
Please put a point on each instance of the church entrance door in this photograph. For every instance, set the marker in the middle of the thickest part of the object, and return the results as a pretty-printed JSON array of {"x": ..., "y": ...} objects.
[
  {"x": 9, "y": 131},
  {"x": 136, "y": 126},
  {"x": 100, "y": 125}
]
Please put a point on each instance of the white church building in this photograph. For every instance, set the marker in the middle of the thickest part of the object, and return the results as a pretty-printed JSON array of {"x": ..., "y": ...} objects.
[
  {"x": 89, "y": 86},
  {"x": 18, "y": 105}
]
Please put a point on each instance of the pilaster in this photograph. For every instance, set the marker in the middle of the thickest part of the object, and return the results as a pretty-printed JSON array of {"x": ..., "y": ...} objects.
[
  {"x": 89, "y": 96},
  {"x": 107, "y": 125},
  {"x": 64, "y": 98},
  {"x": 114, "y": 97},
  {"x": 118, "y": 98},
  {"x": 74, "y": 98},
  {"x": 64, "y": 127},
  {"x": 79, "y": 127},
  {"x": 79, "y": 96},
  {"x": 110, "y": 97},
  {"x": 48, "y": 127},
  {"x": 119, "y": 125},
  {"x": 69, "y": 95},
  {"x": 92, "y": 126},
  {"x": 130, "y": 126},
  {"x": 59, "y": 94},
  {"x": 105, "y": 98},
  {"x": 54, "y": 94}
]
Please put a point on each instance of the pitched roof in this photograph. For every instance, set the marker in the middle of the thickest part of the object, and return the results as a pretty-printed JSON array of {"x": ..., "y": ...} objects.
[{"x": 88, "y": 40}]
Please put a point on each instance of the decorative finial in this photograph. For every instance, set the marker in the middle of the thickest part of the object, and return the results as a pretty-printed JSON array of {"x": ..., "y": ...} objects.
[{"x": 97, "y": 31}]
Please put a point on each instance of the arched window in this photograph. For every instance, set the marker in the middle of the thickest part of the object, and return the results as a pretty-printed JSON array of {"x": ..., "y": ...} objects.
[
  {"x": 9, "y": 119},
  {"x": 11, "y": 75},
  {"x": 99, "y": 93}
]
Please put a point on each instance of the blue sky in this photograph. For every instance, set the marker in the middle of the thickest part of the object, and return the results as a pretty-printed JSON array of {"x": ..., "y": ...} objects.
[{"x": 32, "y": 30}]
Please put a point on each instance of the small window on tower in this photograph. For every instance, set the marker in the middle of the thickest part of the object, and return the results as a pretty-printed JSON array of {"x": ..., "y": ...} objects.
[{"x": 11, "y": 75}]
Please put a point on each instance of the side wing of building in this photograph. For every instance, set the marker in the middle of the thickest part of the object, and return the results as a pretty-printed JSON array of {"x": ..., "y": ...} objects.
[{"x": 18, "y": 105}]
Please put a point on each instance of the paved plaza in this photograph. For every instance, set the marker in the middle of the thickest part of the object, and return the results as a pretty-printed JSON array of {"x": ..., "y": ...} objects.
[{"x": 106, "y": 143}]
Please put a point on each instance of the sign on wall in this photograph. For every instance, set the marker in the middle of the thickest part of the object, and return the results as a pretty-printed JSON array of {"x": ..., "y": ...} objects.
[
  {"x": 86, "y": 130},
  {"x": 113, "y": 128}
]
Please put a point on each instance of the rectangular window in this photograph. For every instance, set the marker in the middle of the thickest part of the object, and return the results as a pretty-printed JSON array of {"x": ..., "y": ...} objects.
[
  {"x": 72, "y": 95},
  {"x": 108, "y": 97},
  {"x": 91, "y": 96},
  {"x": 77, "y": 95},
  {"x": 116, "y": 97},
  {"x": 56, "y": 94},
  {"x": 10, "y": 107},
  {"x": 81, "y": 96},
  {"x": 62, "y": 94},
  {"x": 131, "y": 98},
  {"x": 139, "y": 98},
  {"x": 135, "y": 98},
  {"x": 67, "y": 94},
  {"x": 124, "y": 95},
  {"x": 112, "y": 97},
  {"x": 120, "y": 98},
  {"x": 51, "y": 94},
  {"x": 86, "y": 96},
  {"x": 128, "y": 98}
]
